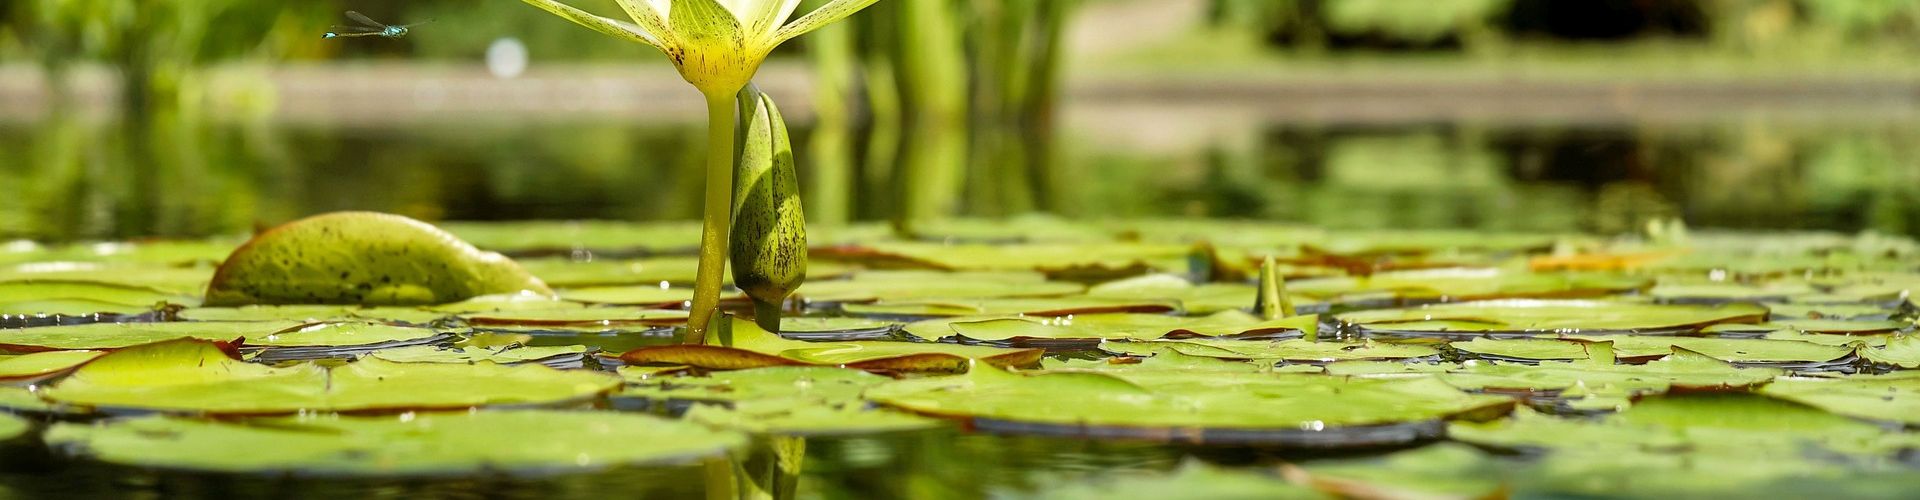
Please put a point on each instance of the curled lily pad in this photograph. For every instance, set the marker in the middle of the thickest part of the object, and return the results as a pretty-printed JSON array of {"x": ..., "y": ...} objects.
[
  {"x": 1203, "y": 407},
  {"x": 1052, "y": 306},
  {"x": 362, "y": 258},
  {"x": 747, "y": 346},
  {"x": 1092, "y": 328},
  {"x": 42, "y": 364},
  {"x": 192, "y": 376},
  {"x": 407, "y": 445},
  {"x": 1885, "y": 398},
  {"x": 1292, "y": 351},
  {"x": 1536, "y": 317},
  {"x": 1900, "y": 350}
]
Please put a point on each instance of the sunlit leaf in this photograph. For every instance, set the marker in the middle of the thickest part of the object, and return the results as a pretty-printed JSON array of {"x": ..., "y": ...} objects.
[{"x": 362, "y": 258}]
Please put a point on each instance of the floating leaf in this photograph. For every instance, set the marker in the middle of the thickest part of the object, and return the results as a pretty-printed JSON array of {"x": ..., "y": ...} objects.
[
  {"x": 1193, "y": 480},
  {"x": 13, "y": 427},
  {"x": 1682, "y": 369},
  {"x": 1445, "y": 470},
  {"x": 362, "y": 258},
  {"x": 123, "y": 296},
  {"x": 1522, "y": 317},
  {"x": 1054, "y": 306},
  {"x": 1095, "y": 327},
  {"x": 803, "y": 400},
  {"x": 1292, "y": 351},
  {"x": 428, "y": 443},
  {"x": 1101, "y": 260},
  {"x": 1206, "y": 298},
  {"x": 264, "y": 334},
  {"x": 568, "y": 237},
  {"x": 1900, "y": 350},
  {"x": 751, "y": 347},
  {"x": 1464, "y": 284},
  {"x": 867, "y": 287},
  {"x": 584, "y": 319},
  {"x": 170, "y": 280},
  {"x": 42, "y": 364},
  {"x": 1203, "y": 407},
  {"x": 1629, "y": 347},
  {"x": 468, "y": 355},
  {"x": 1886, "y": 398},
  {"x": 1705, "y": 425},
  {"x": 650, "y": 296},
  {"x": 190, "y": 376}
]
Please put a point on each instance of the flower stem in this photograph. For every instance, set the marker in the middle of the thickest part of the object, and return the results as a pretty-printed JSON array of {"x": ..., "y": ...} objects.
[{"x": 718, "y": 219}]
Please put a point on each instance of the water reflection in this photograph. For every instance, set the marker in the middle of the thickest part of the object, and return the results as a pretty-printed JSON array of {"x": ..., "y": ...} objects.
[{"x": 77, "y": 178}]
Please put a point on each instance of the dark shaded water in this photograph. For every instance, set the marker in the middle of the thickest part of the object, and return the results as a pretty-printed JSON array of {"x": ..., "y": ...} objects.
[{"x": 80, "y": 180}]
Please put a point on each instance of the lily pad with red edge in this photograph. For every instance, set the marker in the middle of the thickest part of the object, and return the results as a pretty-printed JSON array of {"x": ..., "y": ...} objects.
[
  {"x": 554, "y": 442},
  {"x": 199, "y": 377},
  {"x": 1212, "y": 406},
  {"x": 744, "y": 345},
  {"x": 1525, "y": 317}
]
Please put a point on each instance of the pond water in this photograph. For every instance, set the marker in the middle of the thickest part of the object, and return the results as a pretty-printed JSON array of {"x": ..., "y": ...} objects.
[{"x": 1597, "y": 177}]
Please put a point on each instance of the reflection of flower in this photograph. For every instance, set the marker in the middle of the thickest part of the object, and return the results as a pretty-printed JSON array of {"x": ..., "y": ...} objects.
[{"x": 716, "y": 44}]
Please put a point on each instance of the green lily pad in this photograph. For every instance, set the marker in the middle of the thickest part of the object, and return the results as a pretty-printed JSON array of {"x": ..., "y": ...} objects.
[
  {"x": 1682, "y": 369},
  {"x": 22, "y": 399},
  {"x": 1464, "y": 284},
  {"x": 191, "y": 376},
  {"x": 1205, "y": 298},
  {"x": 1193, "y": 480},
  {"x": 1051, "y": 306},
  {"x": 311, "y": 313},
  {"x": 1706, "y": 425},
  {"x": 1553, "y": 316},
  {"x": 566, "y": 237},
  {"x": 1445, "y": 470},
  {"x": 651, "y": 296},
  {"x": 1900, "y": 350},
  {"x": 1728, "y": 292},
  {"x": 1291, "y": 351},
  {"x": 1843, "y": 327},
  {"x": 13, "y": 427},
  {"x": 1105, "y": 259},
  {"x": 867, "y": 288},
  {"x": 594, "y": 319},
  {"x": 264, "y": 333},
  {"x": 787, "y": 400},
  {"x": 1885, "y": 398},
  {"x": 411, "y": 444},
  {"x": 69, "y": 307},
  {"x": 506, "y": 355},
  {"x": 745, "y": 345},
  {"x": 19, "y": 292},
  {"x": 829, "y": 324},
  {"x": 42, "y": 364},
  {"x": 564, "y": 273},
  {"x": 1171, "y": 405},
  {"x": 1095, "y": 327},
  {"x": 362, "y": 258},
  {"x": 1731, "y": 350},
  {"x": 1163, "y": 360},
  {"x": 177, "y": 281}
]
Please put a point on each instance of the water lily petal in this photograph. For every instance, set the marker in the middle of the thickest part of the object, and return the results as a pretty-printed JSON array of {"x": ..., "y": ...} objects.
[
  {"x": 834, "y": 10},
  {"x": 651, "y": 15},
  {"x": 612, "y": 27},
  {"x": 761, "y": 17}
]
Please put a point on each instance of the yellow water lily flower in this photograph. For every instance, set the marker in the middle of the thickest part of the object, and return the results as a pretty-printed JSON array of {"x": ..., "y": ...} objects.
[{"x": 716, "y": 44}]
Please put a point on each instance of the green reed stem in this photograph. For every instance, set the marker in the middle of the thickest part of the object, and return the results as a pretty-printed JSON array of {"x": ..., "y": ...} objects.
[{"x": 718, "y": 218}]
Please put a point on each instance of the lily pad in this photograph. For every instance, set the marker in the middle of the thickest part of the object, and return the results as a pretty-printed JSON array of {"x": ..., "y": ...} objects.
[
  {"x": 1465, "y": 284},
  {"x": 789, "y": 400},
  {"x": 1077, "y": 260},
  {"x": 650, "y": 296},
  {"x": 171, "y": 280},
  {"x": 1091, "y": 328},
  {"x": 1201, "y": 407},
  {"x": 1291, "y": 351},
  {"x": 1682, "y": 369},
  {"x": 1705, "y": 425},
  {"x": 362, "y": 258},
  {"x": 801, "y": 418},
  {"x": 1054, "y": 306},
  {"x": 1205, "y": 298},
  {"x": 577, "y": 319},
  {"x": 1539, "y": 317},
  {"x": 1447, "y": 470},
  {"x": 1884, "y": 398},
  {"x": 747, "y": 346},
  {"x": 548, "y": 442},
  {"x": 13, "y": 427},
  {"x": 264, "y": 334},
  {"x": 1630, "y": 347},
  {"x": 866, "y": 288},
  {"x": 506, "y": 355},
  {"x": 1900, "y": 350},
  {"x": 588, "y": 236},
  {"x": 42, "y": 364},
  {"x": 192, "y": 376},
  {"x": 25, "y": 292},
  {"x": 1193, "y": 480}
]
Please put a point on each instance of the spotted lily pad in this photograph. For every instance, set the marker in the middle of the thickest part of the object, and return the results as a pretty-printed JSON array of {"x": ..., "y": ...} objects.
[
  {"x": 1091, "y": 328},
  {"x": 745, "y": 345},
  {"x": 362, "y": 258},
  {"x": 411, "y": 444},
  {"x": 191, "y": 376},
  {"x": 1530, "y": 317},
  {"x": 1292, "y": 351},
  {"x": 1204, "y": 407}
]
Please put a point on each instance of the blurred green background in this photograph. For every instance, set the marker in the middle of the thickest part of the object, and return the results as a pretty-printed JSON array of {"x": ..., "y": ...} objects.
[{"x": 128, "y": 119}]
